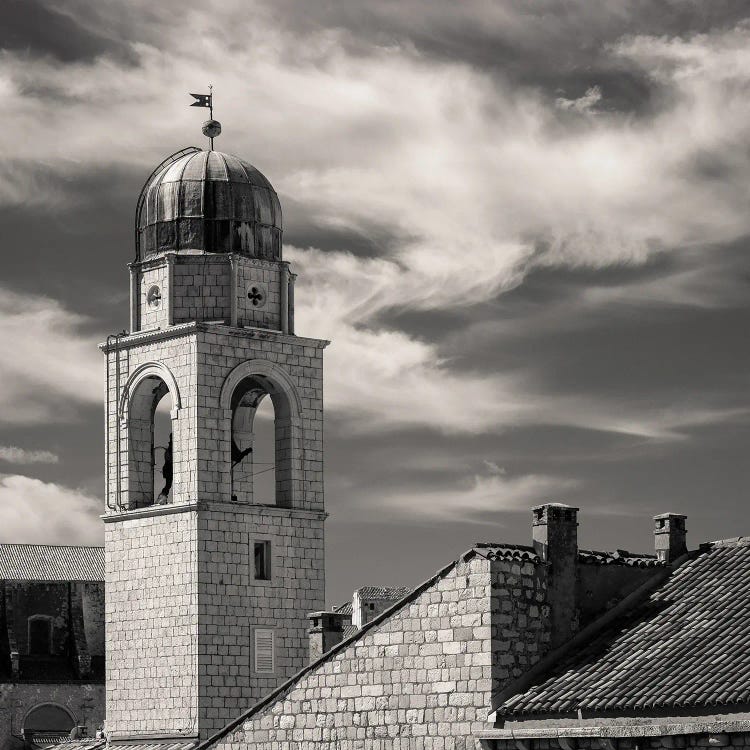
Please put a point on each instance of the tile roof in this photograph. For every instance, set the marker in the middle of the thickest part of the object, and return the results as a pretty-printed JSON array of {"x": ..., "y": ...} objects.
[
  {"x": 44, "y": 562},
  {"x": 344, "y": 609},
  {"x": 493, "y": 551},
  {"x": 88, "y": 743},
  {"x": 682, "y": 644},
  {"x": 350, "y": 630},
  {"x": 619, "y": 557},
  {"x": 389, "y": 593},
  {"x": 497, "y": 551},
  {"x": 93, "y": 744}
]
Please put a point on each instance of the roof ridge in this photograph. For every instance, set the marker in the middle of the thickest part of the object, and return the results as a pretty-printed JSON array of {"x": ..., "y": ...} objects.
[
  {"x": 620, "y": 552},
  {"x": 732, "y": 541}
]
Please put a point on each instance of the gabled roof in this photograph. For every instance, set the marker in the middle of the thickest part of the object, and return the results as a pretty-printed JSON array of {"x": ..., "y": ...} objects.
[
  {"x": 44, "y": 562},
  {"x": 388, "y": 593},
  {"x": 344, "y": 609},
  {"x": 682, "y": 644}
]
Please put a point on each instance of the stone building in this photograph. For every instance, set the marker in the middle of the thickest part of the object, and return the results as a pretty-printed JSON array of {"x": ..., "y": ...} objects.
[
  {"x": 51, "y": 642},
  {"x": 539, "y": 647},
  {"x": 210, "y": 578}
]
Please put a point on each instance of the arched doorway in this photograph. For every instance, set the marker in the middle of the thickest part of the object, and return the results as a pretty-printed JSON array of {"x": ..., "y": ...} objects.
[{"x": 48, "y": 721}]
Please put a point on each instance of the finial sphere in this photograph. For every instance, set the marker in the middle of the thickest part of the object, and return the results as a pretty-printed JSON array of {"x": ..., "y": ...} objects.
[{"x": 211, "y": 128}]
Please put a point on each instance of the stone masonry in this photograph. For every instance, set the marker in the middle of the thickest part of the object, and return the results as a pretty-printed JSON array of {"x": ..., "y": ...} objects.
[
  {"x": 181, "y": 606},
  {"x": 421, "y": 676},
  {"x": 174, "y": 289},
  {"x": 428, "y": 672}
]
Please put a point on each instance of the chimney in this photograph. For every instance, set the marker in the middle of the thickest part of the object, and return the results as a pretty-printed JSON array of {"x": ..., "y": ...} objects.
[
  {"x": 669, "y": 536},
  {"x": 326, "y": 630},
  {"x": 555, "y": 535}
]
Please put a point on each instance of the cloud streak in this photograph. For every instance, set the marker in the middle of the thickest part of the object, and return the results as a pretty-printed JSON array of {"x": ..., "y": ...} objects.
[{"x": 15, "y": 455}]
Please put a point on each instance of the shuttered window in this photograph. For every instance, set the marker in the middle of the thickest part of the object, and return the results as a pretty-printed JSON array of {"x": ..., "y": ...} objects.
[{"x": 264, "y": 655}]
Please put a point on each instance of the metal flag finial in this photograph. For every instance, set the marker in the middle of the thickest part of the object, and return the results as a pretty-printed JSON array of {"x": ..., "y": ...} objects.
[{"x": 211, "y": 128}]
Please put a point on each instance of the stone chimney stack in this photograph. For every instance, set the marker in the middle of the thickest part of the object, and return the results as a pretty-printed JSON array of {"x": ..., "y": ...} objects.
[
  {"x": 326, "y": 630},
  {"x": 670, "y": 536},
  {"x": 555, "y": 535}
]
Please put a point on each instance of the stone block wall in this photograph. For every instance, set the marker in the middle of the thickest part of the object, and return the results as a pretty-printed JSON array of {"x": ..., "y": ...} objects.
[
  {"x": 259, "y": 292},
  {"x": 92, "y": 597},
  {"x": 421, "y": 677},
  {"x": 289, "y": 360},
  {"x": 201, "y": 288},
  {"x": 232, "y": 603},
  {"x": 206, "y": 287},
  {"x": 521, "y": 622},
  {"x": 200, "y": 357},
  {"x": 154, "y": 312},
  {"x": 177, "y": 353},
  {"x": 151, "y": 620},
  {"x": 83, "y": 701}
]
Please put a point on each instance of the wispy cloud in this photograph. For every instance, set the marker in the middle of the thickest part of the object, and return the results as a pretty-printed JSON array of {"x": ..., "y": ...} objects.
[
  {"x": 585, "y": 104},
  {"x": 14, "y": 455},
  {"x": 49, "y": 366},
  {"x": 474, "y": 498},
  {"x": 33, "y": 511}
]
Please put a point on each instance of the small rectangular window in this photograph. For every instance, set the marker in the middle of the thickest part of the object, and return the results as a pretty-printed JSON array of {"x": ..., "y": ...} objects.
[
  {"x": 262, "y": 564},
  {"x": 264, "y": 655}
]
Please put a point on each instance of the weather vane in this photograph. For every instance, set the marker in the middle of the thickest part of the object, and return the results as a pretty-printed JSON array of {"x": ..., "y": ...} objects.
[{"x": 211, "y": 128}]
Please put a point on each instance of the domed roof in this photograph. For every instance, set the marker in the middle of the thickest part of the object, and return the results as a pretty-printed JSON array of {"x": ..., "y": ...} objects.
[{"x": 207, "y": 201}]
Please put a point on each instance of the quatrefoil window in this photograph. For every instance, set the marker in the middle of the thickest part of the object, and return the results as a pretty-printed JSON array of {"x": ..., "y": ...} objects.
[
  {"x": 257, "y": 295},
  {"x": 153, "y": 298}
]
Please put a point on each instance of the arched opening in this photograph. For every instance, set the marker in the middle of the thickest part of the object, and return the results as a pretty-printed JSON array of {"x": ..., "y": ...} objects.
[
  {"x": 261, "y": 445},
  {"x": 47, "y": 719},
  {"x": 150, "y": 439}
]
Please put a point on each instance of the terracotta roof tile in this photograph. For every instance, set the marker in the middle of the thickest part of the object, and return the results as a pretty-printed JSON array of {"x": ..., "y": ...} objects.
[{"x": 682, "y": 645}]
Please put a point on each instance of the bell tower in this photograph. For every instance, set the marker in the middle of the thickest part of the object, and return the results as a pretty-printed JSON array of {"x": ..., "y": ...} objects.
[{"x": 209, "y": 578}]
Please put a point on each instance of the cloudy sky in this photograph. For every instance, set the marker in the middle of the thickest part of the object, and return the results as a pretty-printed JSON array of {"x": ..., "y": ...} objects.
[{"x": 524, "y": 226}]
